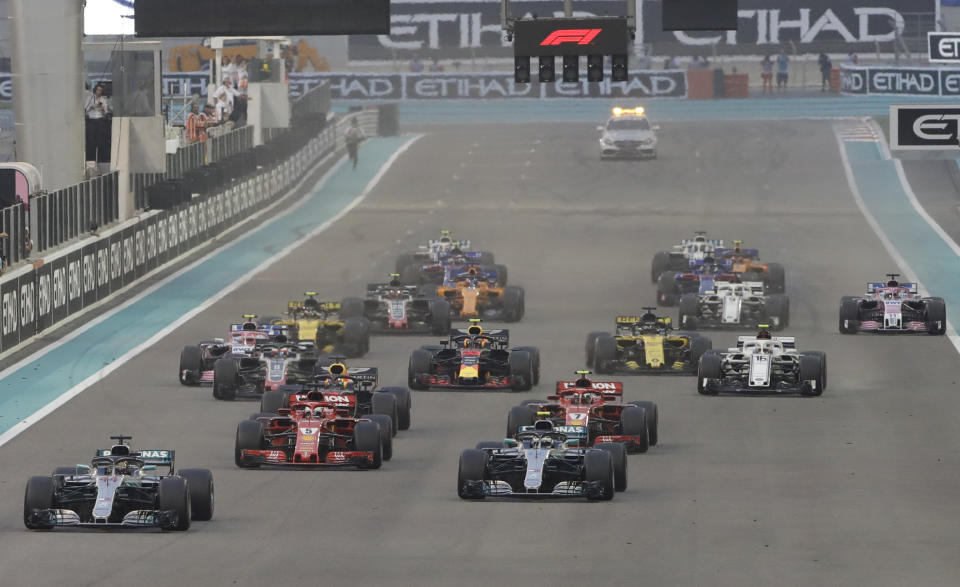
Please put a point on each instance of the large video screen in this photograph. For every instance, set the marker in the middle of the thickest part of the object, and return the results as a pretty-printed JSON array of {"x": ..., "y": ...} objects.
[
  {"x": 223, "y": 18},
  {"x": 108, "y": 17}
]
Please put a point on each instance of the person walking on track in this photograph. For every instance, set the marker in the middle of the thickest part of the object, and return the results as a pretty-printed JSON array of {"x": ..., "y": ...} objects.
[{"x": 353, "y": 137}]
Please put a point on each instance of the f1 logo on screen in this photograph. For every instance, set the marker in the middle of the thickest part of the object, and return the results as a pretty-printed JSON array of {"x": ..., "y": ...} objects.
[{"x": 578, "y": 36}]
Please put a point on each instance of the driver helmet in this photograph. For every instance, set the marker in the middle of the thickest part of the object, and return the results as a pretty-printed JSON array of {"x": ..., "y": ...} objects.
[
  {"x": 764, "y": 334},
  {"x": 889, "y": 295},
  {"x": 123, "y": 468},
  {"x": 318, "y": 412}
]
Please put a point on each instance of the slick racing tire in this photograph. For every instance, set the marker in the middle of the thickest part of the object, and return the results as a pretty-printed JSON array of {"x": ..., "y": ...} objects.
[
  {"x": 776, "y": 278},
  {"x": 226, "y": 378},
  {"x": 598, "y": 467},
  {"x": 633, "y": 422},
  {"x": 473, "y": 467},
  {"x": 440, "y": 317},
  {"x": 421, "y": 363},
  {"x": 535, "y": 356},
  {"x": 386, "y": 428},
  {"x": 501, "y": 274},
  {"x": 711, "y": 367},
  {"x": 653, "y": 420},
  {"x": 591, "y": 346},
  {"x": 936, "y": 311},
  {"x": 660, "y": 264},
  {"x": 823, "y": 365},
  {"x": 618, "y": 458},
  {"x": 401, "y": 396},
  {"x": 521, "y": 370},
  {"x": 173, "y": 494},
  {"x": 605, "y": 354},
  {"x": 356, "y": 336},
  {"x": 778, "y": 306},
  {"x": 191, "y": 361},
  {"x": 849, "y": 313},
  {"x": 487, "y": 258},
  {"x": 39, "y": 495},
  {"x": 518, "y": 416},
  {"x": 513, "y": 303},
  {"x": 385, "y": 404},
  {"x": 698, "y": 346},
  {"x": 200, "y": 483},
  {"x": 811, "y": 369},
  {"x": 272, "y": 401},
  {"x": 689, "y": 307},
  {"x": 666, "y": 289},
  {"x": 367, "y": 437},
  {"x": 249, "y": 437},
  {"x": 351, "y": 308}
]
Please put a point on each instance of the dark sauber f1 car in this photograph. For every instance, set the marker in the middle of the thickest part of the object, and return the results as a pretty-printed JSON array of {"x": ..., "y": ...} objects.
[
  {"x": 120, "y": 489},
  {"x": 734, "y": 305},
  {"x": 593, "y": 412},
  {"x": 313, "y": 433},
  {"x": 354, "y": 390},
  {"x": 892, "y": 307},
  {"x": 645, "y": 344},
  {"x": 763, "y": 364},
  {"x": 437, "y": 249},
  {"x": 475, "y": 359},
  {"x": 541, "y": 462},
  {"x": 394, "y": 308}
]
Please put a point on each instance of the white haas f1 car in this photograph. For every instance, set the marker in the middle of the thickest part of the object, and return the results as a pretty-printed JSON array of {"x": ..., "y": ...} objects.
[
  {"x": 119, "y": 489},
  {"x": 394, "y": 308},
  {"x": 892, "y": 307},
  {"x": 540, "y": 462},
  {"x": 763, "y": 364},
  {"x": 734, "y": 305}
]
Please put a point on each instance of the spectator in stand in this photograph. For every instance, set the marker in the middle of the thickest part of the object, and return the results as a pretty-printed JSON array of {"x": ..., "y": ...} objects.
[
  {"x": 196, "y": 124},
  {"x": 825, "y": 66},
  {"x": 671, "y": 63},
  {"x": 435, "y": 66},
  {"x": 243, "y": 78},
  {"x": 416, "y": 66},
  {"x": 96, "y": 110},
  {"x": 852, "y": 59},
  {"x": 766, "y": 74},
  {"x": 783, "y": 71},
  {"x": 228, "y": 69}
]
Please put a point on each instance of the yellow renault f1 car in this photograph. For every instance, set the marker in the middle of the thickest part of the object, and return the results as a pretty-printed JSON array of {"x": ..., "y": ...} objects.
[
  {"x": 334, "y": 327},
  {"x": 645, "y": 344}
]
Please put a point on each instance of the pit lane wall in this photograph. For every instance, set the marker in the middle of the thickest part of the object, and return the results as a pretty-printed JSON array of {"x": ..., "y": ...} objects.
[
  {"x": 900, "y": 81},
  {"x": 35, "y": 298}
]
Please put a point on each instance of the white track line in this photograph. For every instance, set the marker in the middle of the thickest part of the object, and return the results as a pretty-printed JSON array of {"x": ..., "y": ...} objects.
[
  {"x": 891, "y": 250},
  {"x": 74, "y": 391}
]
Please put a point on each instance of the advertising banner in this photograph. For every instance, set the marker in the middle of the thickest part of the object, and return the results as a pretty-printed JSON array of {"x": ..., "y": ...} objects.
[{"x": 900, "y": 81}]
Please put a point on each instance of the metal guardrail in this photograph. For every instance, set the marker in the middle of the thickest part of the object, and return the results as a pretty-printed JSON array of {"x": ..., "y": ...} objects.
[
  {"x": 69, "y": 212},
  {"x": 229, "y": 143},
  {"x": 13, "y": 246}
]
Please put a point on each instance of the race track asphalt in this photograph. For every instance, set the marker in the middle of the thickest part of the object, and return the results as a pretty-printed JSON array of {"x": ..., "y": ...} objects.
[{"x": 855, "y": 488}]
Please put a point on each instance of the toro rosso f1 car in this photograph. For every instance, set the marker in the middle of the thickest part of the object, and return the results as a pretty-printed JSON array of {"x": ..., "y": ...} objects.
[
  {"x": 540, "y": 462},
  {"x": 892, "y": 307},
  {"x": 763, "y": 364},
  {"x": 593, "y": 412},
  {"x": 120, "y": 489},
  {"x": 475, "y": 359},
  {"x": 678, "y": 258},
  {"x": 645, "y": 344}
]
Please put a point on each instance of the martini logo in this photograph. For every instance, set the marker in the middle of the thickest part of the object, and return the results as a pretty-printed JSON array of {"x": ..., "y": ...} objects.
[{"x": 578, "y": 36}]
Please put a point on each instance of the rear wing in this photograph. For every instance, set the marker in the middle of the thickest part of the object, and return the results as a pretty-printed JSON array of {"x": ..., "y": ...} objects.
[
  {"x": 156, "y": 457},
  {"x": 873, "y": 287},
  {"x": 614, "y": 388},
  {"x": 501, "y": 335},
  {"x": 717, "y": 243},
  {"x": 723, "y": 252},
  {"x": 629, "y": 320},
  {"x": 375, "y": 288},
  {"x": 370, "y": 374},
  {"x": 322, "y": 306},
  {"x": 788, "y": 342}
]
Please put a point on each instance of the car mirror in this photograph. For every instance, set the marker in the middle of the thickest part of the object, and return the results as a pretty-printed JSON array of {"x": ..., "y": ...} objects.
[
  {"x": 83, "y": 468},
  {"x": 149, "y": 468}
]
